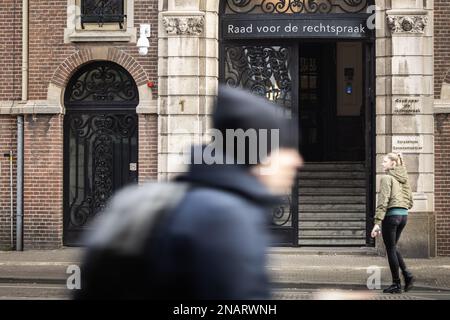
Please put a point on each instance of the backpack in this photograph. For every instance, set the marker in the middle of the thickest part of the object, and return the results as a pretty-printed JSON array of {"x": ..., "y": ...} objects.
[{"x": 118, "y": 262}]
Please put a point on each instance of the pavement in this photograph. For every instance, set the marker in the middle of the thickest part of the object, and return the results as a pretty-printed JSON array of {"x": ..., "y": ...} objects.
[
  {"x": 296, "y": 274},
  {"x": 344, "y": 274}
]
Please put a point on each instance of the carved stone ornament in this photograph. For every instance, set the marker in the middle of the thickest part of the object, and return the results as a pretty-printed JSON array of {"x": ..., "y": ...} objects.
[
  {"x": 184, "y": 25},
  {"x": 407, "y": 24}
]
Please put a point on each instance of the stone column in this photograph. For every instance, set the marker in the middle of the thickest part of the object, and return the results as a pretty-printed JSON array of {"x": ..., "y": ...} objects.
[
  {"x": 188, "y": 77},
  {"x": 405, "y": 111}
]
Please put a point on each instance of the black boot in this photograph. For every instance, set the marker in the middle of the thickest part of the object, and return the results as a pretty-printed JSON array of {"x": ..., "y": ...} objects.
[
  {"x": 394, "y": 288},
  {"x": 409, "y": 281}
]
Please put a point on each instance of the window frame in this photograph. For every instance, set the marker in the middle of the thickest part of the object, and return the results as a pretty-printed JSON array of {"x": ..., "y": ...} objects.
[{"x": 93, "y": 32}]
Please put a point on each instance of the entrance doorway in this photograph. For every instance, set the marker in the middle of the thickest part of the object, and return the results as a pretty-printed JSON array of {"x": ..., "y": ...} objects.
[
  {"x": 100, "y": 142},
  {"x": 331, "y": 101},
  {"x": 326, "y": 86},
  {"x": 332, "y": 185}
]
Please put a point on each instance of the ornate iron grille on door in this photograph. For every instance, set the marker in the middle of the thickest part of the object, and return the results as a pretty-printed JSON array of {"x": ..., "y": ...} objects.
[
  {"x": 100, "y": 142},
  {"x": 266, "y": 71},
  {"x": 102, "y": 11},
  {"x": 295, "y": 6}
]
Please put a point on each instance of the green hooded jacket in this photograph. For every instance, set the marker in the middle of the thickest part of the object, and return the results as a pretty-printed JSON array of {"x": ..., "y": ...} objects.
[{"x": 395, "y": 192}]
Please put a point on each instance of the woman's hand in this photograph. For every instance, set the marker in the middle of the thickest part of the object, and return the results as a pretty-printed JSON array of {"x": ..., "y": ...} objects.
[{"x": 376, "y": 231}]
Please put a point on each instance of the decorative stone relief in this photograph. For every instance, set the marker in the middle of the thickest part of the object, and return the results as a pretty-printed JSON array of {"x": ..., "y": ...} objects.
[
  {"x": 407, "y": 24},
  {"x": 184, "y": 25}
]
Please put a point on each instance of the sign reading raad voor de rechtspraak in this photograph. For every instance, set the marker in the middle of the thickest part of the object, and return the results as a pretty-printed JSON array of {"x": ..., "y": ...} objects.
[{"x": 295, "y": 28}]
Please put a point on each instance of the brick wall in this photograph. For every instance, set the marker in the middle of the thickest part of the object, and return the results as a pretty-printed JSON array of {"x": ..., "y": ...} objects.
[
  {"x": 43, "y": 190},
  {"x": 7, "y": 142},
  {"x": 43, "y": 181},
  {"x": 10, "y": 89},
  {"x": 148, "y": 147},
  {"x": 47, "y": 49},
  {"x": 10, "y": 49},
  {"x": 441, "y": 45},
  {"x": 442, "y": 184},
  {"x": 442, "y": 125}
]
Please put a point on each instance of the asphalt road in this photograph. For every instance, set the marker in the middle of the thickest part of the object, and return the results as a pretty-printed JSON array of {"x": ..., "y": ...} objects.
[{"x": 35, "y": 291}]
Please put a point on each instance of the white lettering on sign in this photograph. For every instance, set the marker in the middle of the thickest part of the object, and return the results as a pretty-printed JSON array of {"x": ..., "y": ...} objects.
[
  {"x": 407, "y": 144},
  {"x": 237, "y": 30},
  {"x": 291, "y": 28}
]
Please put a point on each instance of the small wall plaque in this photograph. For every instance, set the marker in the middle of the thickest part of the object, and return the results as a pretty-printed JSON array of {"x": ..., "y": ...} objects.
[{"x": 407, "y": 144}]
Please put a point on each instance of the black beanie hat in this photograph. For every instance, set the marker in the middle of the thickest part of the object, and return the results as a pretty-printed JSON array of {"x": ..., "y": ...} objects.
[{"x": 238, "y": 109}]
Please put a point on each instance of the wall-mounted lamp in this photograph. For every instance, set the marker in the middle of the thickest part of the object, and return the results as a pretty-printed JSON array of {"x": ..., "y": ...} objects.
[{"x": 143, "y": 42}]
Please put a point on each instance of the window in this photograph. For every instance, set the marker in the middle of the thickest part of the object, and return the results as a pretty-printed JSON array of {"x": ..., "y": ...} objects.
[
  {"x": 102, "y": 11},
  {"x": 100, "y": 20}
]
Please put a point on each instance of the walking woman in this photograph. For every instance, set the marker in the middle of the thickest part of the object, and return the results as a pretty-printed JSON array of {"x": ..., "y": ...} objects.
[{"x": 394, "y": 201}]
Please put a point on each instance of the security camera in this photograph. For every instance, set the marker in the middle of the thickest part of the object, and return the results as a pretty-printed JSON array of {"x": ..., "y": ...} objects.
[
  {"x": 143, "y": 42},
  {"x": 143, "y": 51}
]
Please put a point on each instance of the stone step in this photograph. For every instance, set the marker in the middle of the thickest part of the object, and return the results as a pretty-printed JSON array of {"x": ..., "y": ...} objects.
[
  {"x": 333, "y": 166},
  {"x": 324, "y": 183},
  {"x": 332, "y": 228},
  {"x": 332, "y": 191},
  {"x": 326, "y": 251},
  {"x": 331, "y": 242},
  {"x": 304, "y": 207},
  {"x": 332, "y": 204},
  {"x": 332, "y": 199},
  {"x": 335, "y": 215},
  {"x": 324, "y": 224},
  {"x": 331, "y": 175},
  {"x": 332, "y": 233}
]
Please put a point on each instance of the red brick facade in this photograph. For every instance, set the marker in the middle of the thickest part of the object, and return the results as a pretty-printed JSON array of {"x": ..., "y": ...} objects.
[
  {"x": 7, "y": 142},
  {"x": 51, "y": 61},
  {"x": 10, "y": 50},
  {"x": 442, "y": 184},
  {"x": 442, "y": 128},
  {"x": 10, "y": 89},
  {"x": 441, "y": 45},
  {"x": 148, "y": 147},
  {"x": 43, "y": 181},
  {"x": 48, "y": 19}
]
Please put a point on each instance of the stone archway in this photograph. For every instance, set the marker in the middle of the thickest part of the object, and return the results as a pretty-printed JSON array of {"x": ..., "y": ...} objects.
[
  {"x": 65, "y": 70},
  {"x": 101, "y": 131}
]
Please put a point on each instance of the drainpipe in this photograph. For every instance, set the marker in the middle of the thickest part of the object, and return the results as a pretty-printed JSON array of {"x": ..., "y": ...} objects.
[
  {"x": 11, "y": 190},
  {"x": 19, "y": 215},
  {"x": 20, "y": 135}
]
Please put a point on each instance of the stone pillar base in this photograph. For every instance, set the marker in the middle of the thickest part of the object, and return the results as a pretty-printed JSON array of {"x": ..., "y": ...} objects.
[{"x": 418, "y": 237}]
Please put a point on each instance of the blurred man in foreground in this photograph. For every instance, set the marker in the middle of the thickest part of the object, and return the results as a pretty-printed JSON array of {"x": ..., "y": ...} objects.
[{"x": 212, "y": 243}]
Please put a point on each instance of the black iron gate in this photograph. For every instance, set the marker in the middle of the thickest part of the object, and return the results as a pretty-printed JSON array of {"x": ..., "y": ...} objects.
[
  {"x": 269, "y": 71},
  {"x": 100, "y": 142}
]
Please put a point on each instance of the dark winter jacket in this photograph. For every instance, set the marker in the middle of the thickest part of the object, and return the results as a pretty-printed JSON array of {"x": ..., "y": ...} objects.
[{"x": 214, "y": 245}]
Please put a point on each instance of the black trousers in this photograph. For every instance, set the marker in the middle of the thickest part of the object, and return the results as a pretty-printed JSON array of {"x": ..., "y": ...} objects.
[{"x": 392, "y": 229}]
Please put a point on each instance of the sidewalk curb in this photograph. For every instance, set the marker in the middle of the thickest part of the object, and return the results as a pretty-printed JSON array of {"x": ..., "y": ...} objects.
[
  {"x": 4, "y": 280},
  {"x": 343, "y": 286},
  {"x": 365, "y": 251}
]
